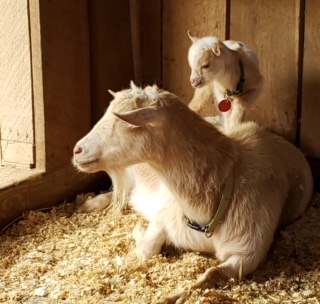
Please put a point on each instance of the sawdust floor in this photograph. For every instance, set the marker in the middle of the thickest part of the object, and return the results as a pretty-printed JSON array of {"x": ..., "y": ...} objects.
[{"x": 63, "y": 256}]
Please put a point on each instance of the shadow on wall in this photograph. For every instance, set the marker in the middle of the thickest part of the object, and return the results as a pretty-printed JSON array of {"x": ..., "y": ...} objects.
[{"x": 310, "y": 123}]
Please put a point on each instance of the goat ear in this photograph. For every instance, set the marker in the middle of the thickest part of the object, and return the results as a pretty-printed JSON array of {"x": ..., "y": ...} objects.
[
  {"x": 216, "y": 49},
  {"x": 142, "y": 117},
  {"x": 112, "y": 93},
  {"x": 192, "y": 38}
]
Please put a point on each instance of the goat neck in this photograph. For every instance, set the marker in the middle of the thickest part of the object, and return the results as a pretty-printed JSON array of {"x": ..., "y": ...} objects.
[
  {"x": 229, "y": 76},
  {"x": 196, "y": 166}
]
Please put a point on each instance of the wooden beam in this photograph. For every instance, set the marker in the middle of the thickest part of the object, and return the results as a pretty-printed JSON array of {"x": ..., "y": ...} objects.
[{"x": 40, "y": 189}]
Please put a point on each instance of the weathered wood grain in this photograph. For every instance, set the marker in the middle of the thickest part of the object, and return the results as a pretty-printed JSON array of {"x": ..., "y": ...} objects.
[
  {"x": 16, "y": 115},
  {"x": 16, "y": 154}
]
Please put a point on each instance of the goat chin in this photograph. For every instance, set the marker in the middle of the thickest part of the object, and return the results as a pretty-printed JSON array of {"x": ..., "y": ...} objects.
[{"x": 169, "y": 163}]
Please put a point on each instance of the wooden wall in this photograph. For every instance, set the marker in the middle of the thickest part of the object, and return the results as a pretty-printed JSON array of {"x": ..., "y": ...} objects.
[
  {"x": 284, "y": 35},
  {"x": 79, "y": 49}
]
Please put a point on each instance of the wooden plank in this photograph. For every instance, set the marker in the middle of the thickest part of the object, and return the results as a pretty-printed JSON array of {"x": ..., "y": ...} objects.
[
  {"x": 17, "y": 154},
  {"x": 202, "y": 18},
  {"x": 271, "y": 28},
  {"x": 111, "y": 51},
  {"x": 61, "y": 77},
  {"x": 146, "y": 40},
  {"x": 310, "y": 122},
  {"x": 44, "y": 190},
  {"x": 16, "y": 115}
]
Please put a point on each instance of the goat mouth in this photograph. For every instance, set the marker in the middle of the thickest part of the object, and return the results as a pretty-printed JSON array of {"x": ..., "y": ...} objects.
[
  {"x": 85, "y": 165},
  {"x": 198, "y": 84}
]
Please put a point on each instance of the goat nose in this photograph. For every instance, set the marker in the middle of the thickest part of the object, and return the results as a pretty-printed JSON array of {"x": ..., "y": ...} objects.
[{"x": 77, "y": 150}]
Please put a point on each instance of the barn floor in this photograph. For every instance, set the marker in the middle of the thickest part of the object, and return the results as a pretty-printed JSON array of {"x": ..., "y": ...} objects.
[{"x": 64, "y": 256}]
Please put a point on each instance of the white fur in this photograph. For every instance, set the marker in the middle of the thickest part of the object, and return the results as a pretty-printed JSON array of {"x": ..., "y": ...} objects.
[
  {"x": 223, "y": 72},
  {"x": 177, "y": 166}
]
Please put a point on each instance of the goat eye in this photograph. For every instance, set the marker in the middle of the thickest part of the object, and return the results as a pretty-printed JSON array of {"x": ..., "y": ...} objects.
[{"x": 205, "y": 66}]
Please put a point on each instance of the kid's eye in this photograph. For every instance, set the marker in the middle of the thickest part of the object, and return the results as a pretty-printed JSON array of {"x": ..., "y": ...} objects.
[{"x": 205, "y": 66}]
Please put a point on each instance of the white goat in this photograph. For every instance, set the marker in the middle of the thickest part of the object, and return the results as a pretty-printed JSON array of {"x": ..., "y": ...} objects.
[
  {"x": 172, "y": 165},
  {"x": 226, "y": 76}
]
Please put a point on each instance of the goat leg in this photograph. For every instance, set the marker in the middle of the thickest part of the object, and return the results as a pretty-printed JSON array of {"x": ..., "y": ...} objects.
[
  {"x": 150, "y": 241},
  {"x": 98, "y": 202},
  {"x": 210, "y": 278}
]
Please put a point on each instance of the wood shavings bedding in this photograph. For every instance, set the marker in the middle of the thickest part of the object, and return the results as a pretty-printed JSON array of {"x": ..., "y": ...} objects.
[{"x": 64, "y": 256}]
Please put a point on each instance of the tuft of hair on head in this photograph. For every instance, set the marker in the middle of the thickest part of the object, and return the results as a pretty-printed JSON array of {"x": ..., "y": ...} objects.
[
  {"x": 192, "y": 38},
  {"x": 153, "y": 92}
]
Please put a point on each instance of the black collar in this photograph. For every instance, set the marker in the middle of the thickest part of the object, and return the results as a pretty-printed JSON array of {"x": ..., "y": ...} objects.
[
  {"x": 240, "y": 85},
  {"x": 222, "y": 208}
]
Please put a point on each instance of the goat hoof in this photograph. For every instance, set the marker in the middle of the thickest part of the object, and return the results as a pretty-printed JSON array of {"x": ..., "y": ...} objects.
[
  {"x": 138, "y": 231},
  {"x": 210, "y": 278},
  {"x": 98, "y": 202},
  {"x": 141, "y": 254}
]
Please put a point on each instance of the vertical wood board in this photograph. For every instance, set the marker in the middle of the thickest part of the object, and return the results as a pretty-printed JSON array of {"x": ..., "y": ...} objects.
[
  {"x": 271, "y": 28},
  {"x": 16, "y": 115},
  {"x": 37, "y": 85},
  {"x": 310, "y": 114},
  {"x": 202, "y": 18},
  {"x": 146, "y": 40},
  {"x": 65, "y": 67},
  {"x": 111, "y": 51}
]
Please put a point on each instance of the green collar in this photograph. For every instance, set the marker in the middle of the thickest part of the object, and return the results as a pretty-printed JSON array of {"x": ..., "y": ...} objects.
[
  {"x": 240, "y": 85},
  {"x": 222, "y": 208}
]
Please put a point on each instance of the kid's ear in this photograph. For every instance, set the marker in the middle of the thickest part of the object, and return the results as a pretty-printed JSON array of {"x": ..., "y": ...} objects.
[
  {"x": 216, "y": 49},
  {"x": 192, "y": 38}
]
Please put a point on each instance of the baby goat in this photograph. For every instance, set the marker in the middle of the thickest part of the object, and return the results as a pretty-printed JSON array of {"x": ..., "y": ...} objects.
[
  {"x": 226, "y": 76},
  {"x": 181, "y": 173}
]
